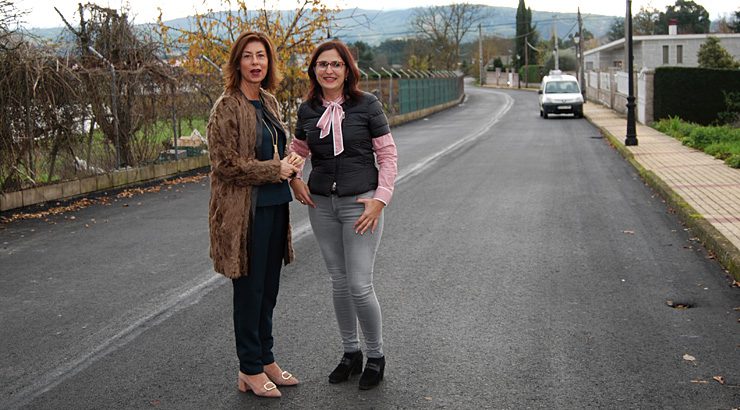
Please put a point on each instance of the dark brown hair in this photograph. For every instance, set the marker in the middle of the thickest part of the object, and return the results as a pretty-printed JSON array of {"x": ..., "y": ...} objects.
[
  {"x": 232, "y": 75},
  {"x": 351, "y": 88}
]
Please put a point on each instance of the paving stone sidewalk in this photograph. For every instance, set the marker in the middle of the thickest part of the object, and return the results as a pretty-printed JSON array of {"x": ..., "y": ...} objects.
[{"x": 709, "y": 187}]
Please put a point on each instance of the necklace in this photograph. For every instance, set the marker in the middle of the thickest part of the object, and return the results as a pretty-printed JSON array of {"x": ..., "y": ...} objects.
[{"x": 273, "y": 138}]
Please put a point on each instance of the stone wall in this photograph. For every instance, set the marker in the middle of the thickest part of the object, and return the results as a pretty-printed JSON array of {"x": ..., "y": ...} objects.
[{"x": 86, "y": 185}]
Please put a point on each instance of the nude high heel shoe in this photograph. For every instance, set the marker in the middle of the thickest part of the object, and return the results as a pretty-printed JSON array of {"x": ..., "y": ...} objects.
[
  {"x": 262, "y": 387},
  {"x": 279, "y": 376}
]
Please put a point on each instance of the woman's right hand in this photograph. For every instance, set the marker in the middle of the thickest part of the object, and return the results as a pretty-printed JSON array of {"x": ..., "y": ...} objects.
[
  {"x": 295, "y": 159},
  {"x": 301, "y": 193}
]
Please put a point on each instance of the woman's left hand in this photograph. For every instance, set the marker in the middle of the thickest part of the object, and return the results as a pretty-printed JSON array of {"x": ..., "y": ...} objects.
[{"x": 369, "y": 218}]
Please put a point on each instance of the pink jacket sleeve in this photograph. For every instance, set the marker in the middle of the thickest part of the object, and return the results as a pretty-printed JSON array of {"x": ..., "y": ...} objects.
[
  {"x": 387, "y": 158},
  {"x": 300, "y": 148}
]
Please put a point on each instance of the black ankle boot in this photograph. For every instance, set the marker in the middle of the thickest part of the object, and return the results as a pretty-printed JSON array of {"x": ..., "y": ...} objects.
[
  {"x": 373, "y": 373},
  {"x": 351, "y": 364}
]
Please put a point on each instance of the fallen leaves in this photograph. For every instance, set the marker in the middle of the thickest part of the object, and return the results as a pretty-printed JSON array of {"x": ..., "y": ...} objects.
[
  {"x": 719, "y": 379},
  {"x": 103, "y": 200},
  {"x": 628, "y": 232},
  {"x": 57, "y": 210},
  {"x": 689, "y": 358},
  {"x": 128, "y": 193},
  {"x": 185, "y": 180}
]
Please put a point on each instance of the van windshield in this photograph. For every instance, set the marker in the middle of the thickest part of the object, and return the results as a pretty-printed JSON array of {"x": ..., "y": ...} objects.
[{"x": 562, "y": 87}]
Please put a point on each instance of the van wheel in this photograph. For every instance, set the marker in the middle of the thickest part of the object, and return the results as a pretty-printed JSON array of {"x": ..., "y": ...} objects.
[
  {"x": 541, "y": 115},
  {"x": 545, "y": 114}
]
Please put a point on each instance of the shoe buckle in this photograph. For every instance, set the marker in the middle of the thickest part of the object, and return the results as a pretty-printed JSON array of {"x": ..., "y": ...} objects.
[
  {"x": 269, "y": 386},
  {"x": 285, "y": 375}
]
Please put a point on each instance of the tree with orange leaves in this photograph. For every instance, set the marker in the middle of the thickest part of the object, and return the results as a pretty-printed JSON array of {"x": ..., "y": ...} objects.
[{"x": 294, "y": 34}]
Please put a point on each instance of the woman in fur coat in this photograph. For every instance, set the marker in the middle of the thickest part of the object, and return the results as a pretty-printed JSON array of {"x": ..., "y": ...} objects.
[{"x": 248, "y": 210}]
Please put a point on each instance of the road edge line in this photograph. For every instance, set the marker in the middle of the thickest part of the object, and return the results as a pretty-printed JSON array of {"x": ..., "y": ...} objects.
[{"x": 194, "y": 294}]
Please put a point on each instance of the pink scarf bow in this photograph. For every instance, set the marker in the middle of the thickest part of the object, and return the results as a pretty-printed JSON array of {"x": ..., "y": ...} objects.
[{"x": 332, "y": 119}]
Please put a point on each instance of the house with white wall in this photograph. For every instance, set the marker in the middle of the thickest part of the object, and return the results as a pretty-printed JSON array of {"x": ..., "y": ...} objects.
[{"x": 655, "y": 51}]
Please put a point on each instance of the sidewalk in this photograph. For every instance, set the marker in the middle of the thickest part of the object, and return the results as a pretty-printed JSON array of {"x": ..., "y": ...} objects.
[{"x": 703, "y": 190}]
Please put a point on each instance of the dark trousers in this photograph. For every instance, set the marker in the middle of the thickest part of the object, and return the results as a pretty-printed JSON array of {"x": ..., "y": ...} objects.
[{"x": 255, "y": 294}]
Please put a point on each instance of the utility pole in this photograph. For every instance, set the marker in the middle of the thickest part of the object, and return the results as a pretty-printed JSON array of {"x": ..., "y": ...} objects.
[
  {"x": 482, "y": 69},
  {"x": 526, "y": 62},
  {"x": 555, "y": 38},
  {"x": 582, "y": 68}
]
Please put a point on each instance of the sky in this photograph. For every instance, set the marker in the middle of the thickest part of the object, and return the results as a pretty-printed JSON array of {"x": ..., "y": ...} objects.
[{"x": 41, "y": 13}]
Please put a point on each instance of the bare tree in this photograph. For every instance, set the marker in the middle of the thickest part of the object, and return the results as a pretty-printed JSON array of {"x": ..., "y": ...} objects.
[
  {"x": 9, "y": 16},
  {"x": 40, "y": 109},
  {"x": 445, "y": 27},
  {"x": 120, "y": 75}
]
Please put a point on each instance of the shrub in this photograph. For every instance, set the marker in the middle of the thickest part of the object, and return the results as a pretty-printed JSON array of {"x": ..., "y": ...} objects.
[
  {"x": 674, "y": 127},
  {"x": 731, "y": 115},
  {"x": 701, "y": 137},
  {"x": 733, "y": 161},
  {"x": 722, "y": 142}
]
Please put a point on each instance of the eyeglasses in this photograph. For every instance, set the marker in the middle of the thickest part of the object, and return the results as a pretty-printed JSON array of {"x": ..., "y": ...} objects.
[{"x": 323, "y": 65}]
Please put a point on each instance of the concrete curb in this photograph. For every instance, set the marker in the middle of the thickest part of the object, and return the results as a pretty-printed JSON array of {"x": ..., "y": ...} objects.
[
  {"x": 724, "y": 251},
  {"x": 80, "y": 187}
]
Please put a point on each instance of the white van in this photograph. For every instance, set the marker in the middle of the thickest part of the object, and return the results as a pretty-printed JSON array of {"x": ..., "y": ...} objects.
[{"x": 560, "y": 94}]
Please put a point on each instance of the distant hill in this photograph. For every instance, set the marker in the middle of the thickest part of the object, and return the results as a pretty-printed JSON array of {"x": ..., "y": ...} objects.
[{"x": 375, "y": 26}]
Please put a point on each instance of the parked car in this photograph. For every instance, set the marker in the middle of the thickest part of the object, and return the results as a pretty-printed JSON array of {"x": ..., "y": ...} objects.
[{"x": 560, "y": 94}]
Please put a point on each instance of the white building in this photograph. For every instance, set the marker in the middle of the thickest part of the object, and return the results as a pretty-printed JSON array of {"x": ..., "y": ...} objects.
[{"x": 656, "y": 51}]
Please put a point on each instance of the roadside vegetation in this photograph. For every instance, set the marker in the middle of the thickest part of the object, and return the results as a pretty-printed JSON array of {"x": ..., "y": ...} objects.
[
  {"x": 110, "y": 94},
  {"x": 722, "y": 142}
]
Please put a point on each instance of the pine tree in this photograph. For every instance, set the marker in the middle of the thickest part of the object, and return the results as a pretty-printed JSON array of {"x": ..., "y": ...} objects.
[
  {"x": 713, "y": 55},
  {"x": 524, "y": 29}
]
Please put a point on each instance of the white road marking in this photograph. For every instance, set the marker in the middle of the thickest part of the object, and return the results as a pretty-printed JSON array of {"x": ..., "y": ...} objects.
[{"x": 192, "y": 294}]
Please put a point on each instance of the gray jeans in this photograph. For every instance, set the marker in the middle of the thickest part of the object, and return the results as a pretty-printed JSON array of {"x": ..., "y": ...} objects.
[{"x": 350, "y": 258}]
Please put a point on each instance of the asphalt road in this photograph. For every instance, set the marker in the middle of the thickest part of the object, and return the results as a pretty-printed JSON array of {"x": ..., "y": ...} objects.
[{"x": 523, "y": 265}]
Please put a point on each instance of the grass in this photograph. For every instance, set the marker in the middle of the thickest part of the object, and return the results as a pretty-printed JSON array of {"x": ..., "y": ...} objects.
[
  {"x": 722, "y": 142},
  {"x": 195, "y": 123}
]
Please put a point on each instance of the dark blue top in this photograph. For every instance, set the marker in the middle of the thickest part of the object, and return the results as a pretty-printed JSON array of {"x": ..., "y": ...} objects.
[{"x": 277, "y": 193}]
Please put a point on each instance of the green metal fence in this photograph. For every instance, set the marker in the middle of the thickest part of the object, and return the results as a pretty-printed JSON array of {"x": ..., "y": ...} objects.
[{"x": 403, "y": 91}]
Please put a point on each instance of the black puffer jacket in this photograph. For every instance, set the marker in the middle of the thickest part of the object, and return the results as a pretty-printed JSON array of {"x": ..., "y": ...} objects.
[{"x": 354, "y": 169}]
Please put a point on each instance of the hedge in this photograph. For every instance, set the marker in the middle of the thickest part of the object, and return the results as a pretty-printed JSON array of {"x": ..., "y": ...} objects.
[{"x": 692, "y": 94}]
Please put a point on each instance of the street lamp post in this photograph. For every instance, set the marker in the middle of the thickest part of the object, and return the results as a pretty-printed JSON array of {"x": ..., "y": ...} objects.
[
  {"x": 113, "y": 102},
  {"x": 631, "y": 138}
]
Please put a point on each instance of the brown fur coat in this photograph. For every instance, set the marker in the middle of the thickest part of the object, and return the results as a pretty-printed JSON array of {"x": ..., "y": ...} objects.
[{"x": 234, "y": 172}]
